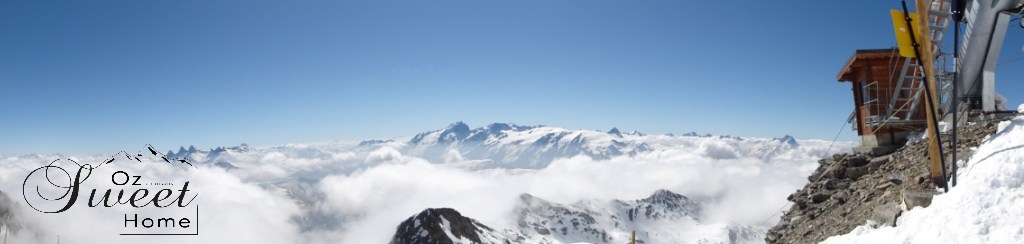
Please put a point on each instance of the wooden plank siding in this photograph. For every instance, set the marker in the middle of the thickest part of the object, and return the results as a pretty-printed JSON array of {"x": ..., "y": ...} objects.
[{"x": 880, "y": 68}]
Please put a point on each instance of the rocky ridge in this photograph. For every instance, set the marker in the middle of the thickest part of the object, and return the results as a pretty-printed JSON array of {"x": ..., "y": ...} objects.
[{"x": 848, "y": 190}]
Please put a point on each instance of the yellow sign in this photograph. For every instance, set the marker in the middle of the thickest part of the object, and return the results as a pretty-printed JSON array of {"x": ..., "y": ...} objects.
[{"x": 903, "y": 33}]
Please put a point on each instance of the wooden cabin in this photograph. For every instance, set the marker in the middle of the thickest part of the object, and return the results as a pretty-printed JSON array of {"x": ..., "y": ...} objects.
[{"x": 882, "y": 124}]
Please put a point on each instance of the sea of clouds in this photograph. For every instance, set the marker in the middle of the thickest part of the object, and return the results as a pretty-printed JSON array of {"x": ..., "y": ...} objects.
[{"x": 370, "y": 191}]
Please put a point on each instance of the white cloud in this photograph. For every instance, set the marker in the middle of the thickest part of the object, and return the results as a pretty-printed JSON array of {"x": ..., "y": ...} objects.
[
  {"x": 372, "y": 191},
  {"x": 231, "y": 211}
]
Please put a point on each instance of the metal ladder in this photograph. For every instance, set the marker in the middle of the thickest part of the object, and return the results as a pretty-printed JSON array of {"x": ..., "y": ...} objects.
[{"x": 910, "y": 85}]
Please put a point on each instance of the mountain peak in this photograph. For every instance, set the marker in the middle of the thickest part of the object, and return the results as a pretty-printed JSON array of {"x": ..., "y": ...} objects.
[
  {"x": 531, "y": 201},
  {"x": 366, "y": 143},
  {"x": 439, "y": 225},
  {"x": 665, "y": 204},
  {"x": 787, "y": 139},
  {"x": 455, "y": 132},
  {"x": 615, "y": 131},
  {"x": 499, "y": 126},
  {"x": 458, "y": 125},
  {"x": 663, "y": 195}
]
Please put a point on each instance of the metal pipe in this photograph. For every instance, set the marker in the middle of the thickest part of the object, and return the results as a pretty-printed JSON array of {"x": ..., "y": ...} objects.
[{"x": 955, "y": 95}]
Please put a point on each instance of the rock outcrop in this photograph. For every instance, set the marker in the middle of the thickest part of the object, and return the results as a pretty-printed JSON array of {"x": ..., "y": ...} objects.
[{"x": 848, "y": 190}]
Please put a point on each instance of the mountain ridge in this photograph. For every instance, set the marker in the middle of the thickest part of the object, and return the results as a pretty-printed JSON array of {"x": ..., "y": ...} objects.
[
  {"x": 508, "y": 145},
  {"x": 590, "y": 221}
]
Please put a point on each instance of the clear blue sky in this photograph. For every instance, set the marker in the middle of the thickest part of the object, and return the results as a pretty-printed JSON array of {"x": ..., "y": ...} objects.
[{"x": 105, "y": 76}]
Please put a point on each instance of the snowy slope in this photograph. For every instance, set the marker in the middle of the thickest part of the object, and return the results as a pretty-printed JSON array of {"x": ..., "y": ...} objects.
[{"x": 987, "y": 205}]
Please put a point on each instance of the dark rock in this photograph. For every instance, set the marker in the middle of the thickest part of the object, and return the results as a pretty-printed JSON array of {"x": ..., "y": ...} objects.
[
  {"x": 917, "y": 198},
  {"x": 838, "y": 173},
  {"x": 857, "y": 161},
  {"x": 856, "y": 172},
  {"x": 431, "y": 221},
  {"x": 800, "y": 203},
  {"x": 886, "y": 214},
  {"x": 880, "y": 160},
  {"x": 793, "y": 196},
  {"x": 829, "y": 184},
  {"x": 841, "y": 197},
  {"x": 542, "y": 231},
  {"x": 819, "y": 197}
]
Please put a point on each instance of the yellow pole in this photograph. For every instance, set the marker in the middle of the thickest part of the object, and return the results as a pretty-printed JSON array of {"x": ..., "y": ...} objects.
[
  {"x": 927, "y": 59},
  {"x": 633, "y": 240}
]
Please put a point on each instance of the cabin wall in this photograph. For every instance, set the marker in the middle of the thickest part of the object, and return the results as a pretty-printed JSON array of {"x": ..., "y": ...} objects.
[
  {"x": 873, "y": 76},
  {"x": 876, "y": 79}
]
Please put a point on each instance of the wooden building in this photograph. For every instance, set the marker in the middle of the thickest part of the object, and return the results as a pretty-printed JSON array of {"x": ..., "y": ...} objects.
[{"x": 881, "y": 119}]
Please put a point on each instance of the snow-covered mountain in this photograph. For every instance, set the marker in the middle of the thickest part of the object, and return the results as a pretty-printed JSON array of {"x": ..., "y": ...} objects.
[
  {"x": 508, "y": 145},
  {"x": 220, "y": 156},
  {"x": 518, "y": 154},
  {"x": 664, "y": 217},
  {"x": 8, "y": 214},
  {"x": 445, "y": 225}
]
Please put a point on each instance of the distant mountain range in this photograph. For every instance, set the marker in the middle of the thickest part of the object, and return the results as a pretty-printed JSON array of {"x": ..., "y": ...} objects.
[
  {"x": 512, "y": 146},
  {"x": 664, "y": 217},
  {"x": 507, "y": 145}
]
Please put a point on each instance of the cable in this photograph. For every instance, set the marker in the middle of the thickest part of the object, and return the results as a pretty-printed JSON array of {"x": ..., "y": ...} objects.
[
  {"x": 842, "y": 127},
  {"x": 928, "y": 93},
  {"x": 1012, "y": 60}
]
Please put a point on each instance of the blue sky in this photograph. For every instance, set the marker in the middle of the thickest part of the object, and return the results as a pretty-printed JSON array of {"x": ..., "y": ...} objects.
[{"x": 105, "y": 76}]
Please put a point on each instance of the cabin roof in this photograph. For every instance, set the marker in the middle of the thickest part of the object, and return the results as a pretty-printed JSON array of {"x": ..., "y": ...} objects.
[{"x": 861, "y": 57}]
